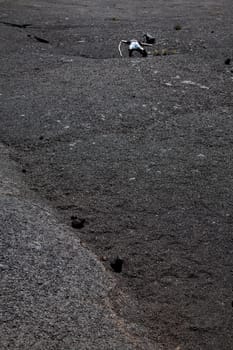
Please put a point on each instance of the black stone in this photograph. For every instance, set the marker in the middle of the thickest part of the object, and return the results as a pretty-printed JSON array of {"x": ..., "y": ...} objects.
[
  {"x": 117, "y": 264},
  {"x": 78, "y": 223},
  {"x": 41, "y": 40},
  {"x": 177, "y": 27},
  {"x": 149, "y": 38}
]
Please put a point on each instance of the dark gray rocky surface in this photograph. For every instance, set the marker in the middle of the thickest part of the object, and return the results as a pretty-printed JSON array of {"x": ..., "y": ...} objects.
[
  {"x": 55, "y": 294},
  {"x": 140, "y": 148}
]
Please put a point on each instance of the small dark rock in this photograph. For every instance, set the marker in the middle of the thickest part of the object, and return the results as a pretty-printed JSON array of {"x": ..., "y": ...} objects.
[
  {"x": 103, "y": 258},
  {"x": 73, "y": 217},
  {"x": 228, "y": 61},
  {"x": 116, "y": 265},
  {"x": 78, "y": 223},
  {"x": 41, "y": 137},
  {"x": 212, "y": 31},
  {"x": 192, "y": 275},
  {"x": 177, "y": 27},
  {"x": 24, "y": 171},
  {"x": 41, "y": 40},
  {"x": 149, "y": 38}
]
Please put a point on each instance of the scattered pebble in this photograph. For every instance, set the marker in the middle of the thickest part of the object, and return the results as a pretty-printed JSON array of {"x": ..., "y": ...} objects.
[
  {"x": 41, "y": 40},
  {"x": 117, "y": 264},
  {"x": 228, "y": 61},
  {"x": 177, "y": 27},
  {"x": 201, "y": 155},
  {"x": 103, "y": 258},
  {"x": 78, "y": 223},
  {"x": 149, "y": 38},
  {"x": 67, "y": 60},
  {"x": 203, "y": 86},
  {"x": 132, "y": 178},
  {"x": 189, "y": 82}
]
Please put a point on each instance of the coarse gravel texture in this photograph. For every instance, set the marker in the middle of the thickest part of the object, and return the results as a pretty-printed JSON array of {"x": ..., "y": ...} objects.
[
  {"x": 55, "y": 294},
  {"x": 140, "y": 148}
]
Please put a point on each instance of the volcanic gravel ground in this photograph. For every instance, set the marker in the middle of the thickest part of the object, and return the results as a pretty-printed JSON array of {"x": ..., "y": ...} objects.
[{"x": 139, "y": 148}]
